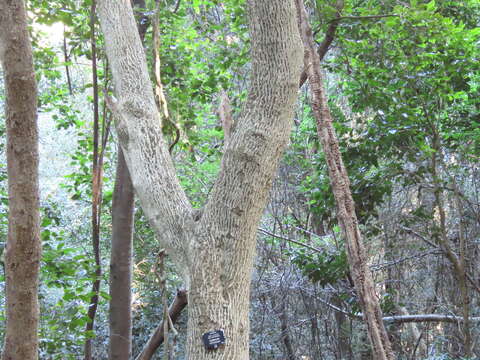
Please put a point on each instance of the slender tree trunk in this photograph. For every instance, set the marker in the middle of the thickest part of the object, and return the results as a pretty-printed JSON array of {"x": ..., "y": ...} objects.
[
  {"x": 97, "y": 175},
  {"x": 23, "y": 250},
  {"x": 287, "y": 342},
  {"x": 214, "y": 249},
  {"x": 343, "y": 345},
  {"x": 347, "y": 218},
  {"x": 458, "y": 262},
  {"x": 67, "y": 60},
  {"x": 121, "y": 264}
]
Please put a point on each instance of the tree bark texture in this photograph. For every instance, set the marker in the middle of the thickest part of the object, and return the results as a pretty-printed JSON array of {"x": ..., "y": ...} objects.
[
  {"x": 214, "y": 250},
  {"x": 343, "y": 344},
  {"x": 120, "y": 346},
  {"x": 23, "y": 250},
  {"x": 340, "y": 183},
  {"x": 123, "y": 208}
]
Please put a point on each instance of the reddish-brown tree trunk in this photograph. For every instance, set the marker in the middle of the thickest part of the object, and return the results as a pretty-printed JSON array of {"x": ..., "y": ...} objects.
[
  {"x": 121, "y": 264},
  {"x": 23, "y": 251}
]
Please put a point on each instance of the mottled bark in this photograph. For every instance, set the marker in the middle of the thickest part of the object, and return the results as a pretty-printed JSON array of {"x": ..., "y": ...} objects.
[
  {"x": 120, "y": 346},
  {"x": 23, "y": 249},
  {"x": 340, "y": 183},
  {"x": 123, "y": 207},
  {"x": 327, "y": 41},
  {"x": 215, "y": 249},
  {"x": 226, "y": 118}
]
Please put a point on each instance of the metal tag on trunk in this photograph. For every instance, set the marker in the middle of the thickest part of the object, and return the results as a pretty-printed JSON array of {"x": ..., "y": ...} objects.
[{"x": 213, "y": 339}]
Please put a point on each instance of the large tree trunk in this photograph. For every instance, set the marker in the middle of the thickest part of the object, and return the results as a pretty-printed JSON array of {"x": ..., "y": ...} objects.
[
  {"x": 120, "y": 346},
  {"x": 23, "y": 251},
  {"x": 347, "y": 218},
  {"x": 215, "y": 249}
]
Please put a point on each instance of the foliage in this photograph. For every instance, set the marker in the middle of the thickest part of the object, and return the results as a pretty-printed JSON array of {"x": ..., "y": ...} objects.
[{"x": 327, "y": 267}]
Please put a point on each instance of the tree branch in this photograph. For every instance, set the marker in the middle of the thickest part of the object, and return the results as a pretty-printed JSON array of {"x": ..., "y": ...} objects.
[
  {"x": 330, "y": 35},
  {"x": 157, "y": 338},
  {"x": 426, "y": 318},
  {"x": 139, "y": 130},
  {"x": 365, "y": 17},
  {"x": 402, "y": 319},
  {"x": 325, "y": 45},
  {"x": 257, "y": 141},
  {"x": 266, "y": 232}
]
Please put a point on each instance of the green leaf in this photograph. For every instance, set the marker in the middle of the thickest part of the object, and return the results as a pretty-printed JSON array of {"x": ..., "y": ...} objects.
[{"x": 431, "y": 5}]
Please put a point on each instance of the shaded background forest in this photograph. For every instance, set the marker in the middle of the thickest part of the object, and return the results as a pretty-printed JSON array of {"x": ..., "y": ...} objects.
[{"x": 403, "y": 85}]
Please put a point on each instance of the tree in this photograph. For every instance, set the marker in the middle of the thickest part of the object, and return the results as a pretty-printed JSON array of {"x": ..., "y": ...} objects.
[
  {"x": 214, "y": 247},
  {"x": 22, "y": 256},
  {"x": 347, "y": 218}
]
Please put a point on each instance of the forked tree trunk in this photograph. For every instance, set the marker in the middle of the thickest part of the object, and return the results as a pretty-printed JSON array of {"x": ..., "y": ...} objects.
[
  {"x": 214, "y": 250},
  {"x": 357, "y": 257},
  {"x": 23, "y": 251}
]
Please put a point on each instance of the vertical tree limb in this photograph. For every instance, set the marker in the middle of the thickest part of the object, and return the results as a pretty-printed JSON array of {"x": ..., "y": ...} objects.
[
  {"x": 160, "y": 98},
  {"x": 159, "y": 93},
  {"x": 458, "y": 262},
  {"x": 67, "y": 60},
  {"x": 97, "y": 175}
]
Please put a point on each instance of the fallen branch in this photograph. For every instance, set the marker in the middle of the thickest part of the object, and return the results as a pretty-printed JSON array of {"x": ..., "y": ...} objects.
[
  {"x": 402, "y": 319},
  {"x": 157, "y": 338}
]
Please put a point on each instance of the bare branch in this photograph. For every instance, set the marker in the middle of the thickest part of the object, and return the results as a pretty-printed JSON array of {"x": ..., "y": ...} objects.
[
  {"x": 266, "y": 232},
  {"x": 156, "y": 339},
  {"x": 365, "y": 17},
  {"x": 402, "y": 319}
]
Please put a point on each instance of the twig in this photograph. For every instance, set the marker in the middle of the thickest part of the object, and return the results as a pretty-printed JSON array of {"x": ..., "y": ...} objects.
[
  {"x": 365, "y": 17},
  {"x": 266, "y": 232},
  {"x": 177, "y": 6}
]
